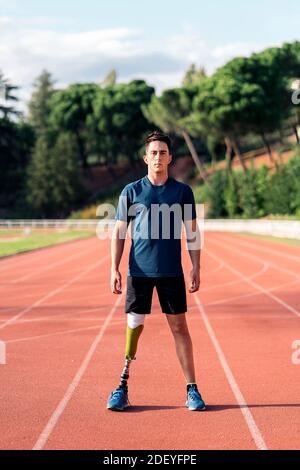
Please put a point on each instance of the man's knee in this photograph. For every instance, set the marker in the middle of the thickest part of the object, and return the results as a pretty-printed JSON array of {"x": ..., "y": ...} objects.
[
  {"x": 178, "y": 325},
  {"x": 135, "y": 319}
]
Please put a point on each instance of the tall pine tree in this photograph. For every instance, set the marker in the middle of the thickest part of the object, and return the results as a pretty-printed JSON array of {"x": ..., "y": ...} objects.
[{"x": 39, "y": 105}]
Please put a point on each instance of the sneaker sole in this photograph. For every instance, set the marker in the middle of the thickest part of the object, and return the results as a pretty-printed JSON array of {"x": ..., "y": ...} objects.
[
  {"x": 195, "y": 409},
  {"x": 114, "y": 408}
]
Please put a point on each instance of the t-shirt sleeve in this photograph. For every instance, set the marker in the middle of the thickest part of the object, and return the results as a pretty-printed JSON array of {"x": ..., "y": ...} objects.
[
  {"x": 189, "y": 205},
  {"x": 123, "y": 206}
]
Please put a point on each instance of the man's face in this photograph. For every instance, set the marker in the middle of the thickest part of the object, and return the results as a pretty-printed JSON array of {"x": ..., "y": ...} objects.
[{"x": 157, "y": 157}]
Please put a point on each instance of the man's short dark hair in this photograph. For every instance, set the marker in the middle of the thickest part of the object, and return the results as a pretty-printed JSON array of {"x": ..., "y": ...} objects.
[{"x": 161, "y": 137}]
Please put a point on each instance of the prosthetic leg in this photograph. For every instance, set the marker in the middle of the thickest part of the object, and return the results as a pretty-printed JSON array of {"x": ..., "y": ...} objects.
[
  {"x": 135, "y": 326},
  {"x": 118, "y": 399}
]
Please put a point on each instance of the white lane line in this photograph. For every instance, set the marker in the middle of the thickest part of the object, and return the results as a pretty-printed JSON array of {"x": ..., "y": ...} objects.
[
  {"x": 84, "y": 298},
  {"x": 194, "y": 307},
  {"x": 263, "y": 249},
  {"x": 88, "y": 300},
  {"x": 214, "y": 270},
  {"x": 13, "y": 297},
  {"x": 63, "y": 317},
  {"x": 253, "y": 428},
  {"x": 254, "y": 284},
  {"x": 36, "y": 272},
  {"x": 56, "y": 333},
  {"x": 16, "y": 261},
  {"x": 65, "y": 332},
  {"x": 53, "y": 292},
  {"x": 44, "y": 436},
  {"x": 264, "y": 268},
  {"x": 252, "y": 294}
]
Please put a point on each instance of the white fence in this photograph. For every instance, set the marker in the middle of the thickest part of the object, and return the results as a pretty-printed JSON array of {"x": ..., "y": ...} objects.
[
  {"x": 276, "y": 228},
  {"x": 49, "y": 223}
]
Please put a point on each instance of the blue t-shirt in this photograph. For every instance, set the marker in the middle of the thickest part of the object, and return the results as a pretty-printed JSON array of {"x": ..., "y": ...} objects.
[{"x": 156, "y": 214}]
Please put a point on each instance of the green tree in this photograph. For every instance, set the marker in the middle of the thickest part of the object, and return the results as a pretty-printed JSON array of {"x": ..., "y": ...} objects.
[
  {"x": 279, "y": 191},
  {"x": 248, "y": 194},
  {"x": 293, "y": 168},
  {"x": 119, "y": 120},
  {"x": 66, "y": 186},
  {"x": 53, "y": 185},
  {"x": 216, "y": 195},
  {"x": 39, "y": 179},
  {"x": 231, "y": 195},
  {"x": 110, "y": 79},
  {"x": 7, "y": 98},
  {"x": 193, "y": 76},
  {"x": 70, "y": 111},
  {"x": 214, "y": 113},
  {"x": 16, "y": 141},
  {"x": 39, "y": 105},
  {"x": 246, "y": 95},
  {"x": 171, "y": 113}
]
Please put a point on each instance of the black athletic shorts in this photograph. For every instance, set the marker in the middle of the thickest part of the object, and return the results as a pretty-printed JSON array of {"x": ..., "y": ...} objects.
[{"x": 171, "y": 293}]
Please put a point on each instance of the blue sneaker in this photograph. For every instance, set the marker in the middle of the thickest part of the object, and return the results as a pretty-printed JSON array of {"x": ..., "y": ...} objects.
[
  {"x": 194, "y": 400},
  {"x": 118, "y": 399}
]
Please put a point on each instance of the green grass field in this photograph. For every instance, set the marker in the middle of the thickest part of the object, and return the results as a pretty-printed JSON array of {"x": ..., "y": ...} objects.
[{"x": 17, "y": 241}]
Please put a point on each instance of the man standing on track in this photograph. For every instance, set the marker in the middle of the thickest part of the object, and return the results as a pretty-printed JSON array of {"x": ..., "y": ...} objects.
[{"x": 156, "y": 205}]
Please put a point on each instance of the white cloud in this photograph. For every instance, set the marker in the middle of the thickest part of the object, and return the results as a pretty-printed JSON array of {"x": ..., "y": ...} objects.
[
  {"x": 229, "y": 51},
  {"x": 5, "y": 20},
  {"x": 194, "y": 49},
  {"x": 26, "y": 49},
  {"x": 24, "y": 52},
  {"x": 190, "y": 46}
]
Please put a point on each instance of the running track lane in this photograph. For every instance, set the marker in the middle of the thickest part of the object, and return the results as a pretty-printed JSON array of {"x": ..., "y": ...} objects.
[{"x": 57, "y": 384}]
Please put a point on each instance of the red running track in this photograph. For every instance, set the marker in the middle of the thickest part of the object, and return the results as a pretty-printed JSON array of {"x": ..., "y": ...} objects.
[{"x": 65, "y": 333}]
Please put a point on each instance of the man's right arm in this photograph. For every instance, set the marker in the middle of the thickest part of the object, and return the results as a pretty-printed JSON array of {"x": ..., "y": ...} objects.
[{"x": 117, "y": 248}]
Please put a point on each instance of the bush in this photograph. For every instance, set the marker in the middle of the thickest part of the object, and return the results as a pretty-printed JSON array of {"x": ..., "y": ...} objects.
[
  {"x": 262, "y": 182},
  {"x": 248, "y": 195},
  {"x": 293, "y": 167},
  {"x": 216, "y": 195},
  {"x": 252, "y": 192},
  {"x": 201, "y": 194},
  {"x": 279, "y": 192},
  {"x": 231, "y": 195}
]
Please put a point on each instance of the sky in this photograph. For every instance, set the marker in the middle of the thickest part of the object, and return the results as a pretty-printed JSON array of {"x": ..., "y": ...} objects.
[{"x": 81, "y": 41}]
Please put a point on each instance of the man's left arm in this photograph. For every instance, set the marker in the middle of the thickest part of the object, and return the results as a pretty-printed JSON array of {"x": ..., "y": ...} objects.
[{"x": 194, "y": 248}]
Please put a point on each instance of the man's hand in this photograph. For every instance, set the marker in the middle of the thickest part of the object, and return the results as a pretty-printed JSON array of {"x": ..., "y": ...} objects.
[
  {"x": 116, "y": 282},
  {"x": 194, "y": 280}
]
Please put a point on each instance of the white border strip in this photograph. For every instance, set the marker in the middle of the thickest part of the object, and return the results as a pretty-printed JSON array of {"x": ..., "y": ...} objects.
[
  {"x": 44, "y": 436},
  {"x": 274, "y": 228},
  {"x": 253, "y": 428}
]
